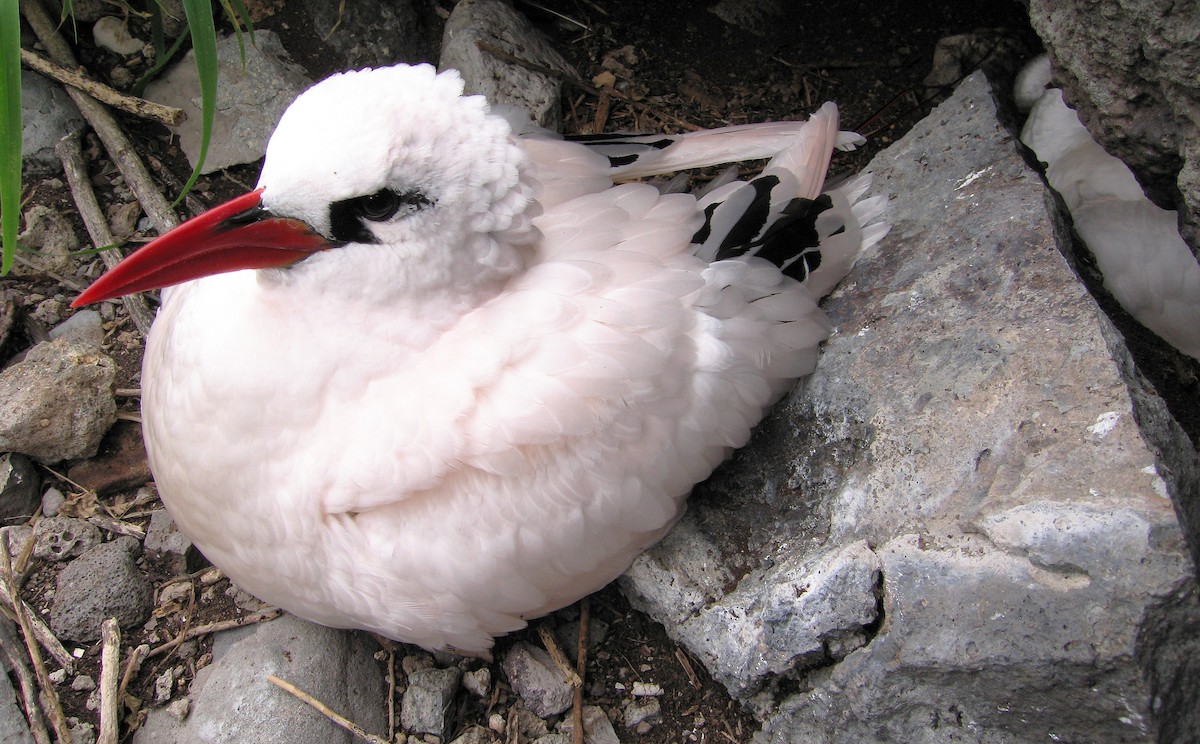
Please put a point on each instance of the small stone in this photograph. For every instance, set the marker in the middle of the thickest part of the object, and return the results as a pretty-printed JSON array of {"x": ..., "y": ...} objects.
[
  {"x": 19, "y": 485},
  {"x": 429, "y": 693},
  {"x": 244, "y": 599},
  {"x": 83, "y": 327},
  {"x": 646, "y": 689},
  {"x": 52, "y": 501},
  {"x": 478, "y": 682},
  {"x": 112, "y": 34},
  {"x": 642, "y": 710},
  {"x": 82, "y": 683},
  {"x": 63, "y": 538},
  {"x": 179, "y": 709},
  {"x": 496, "y": 723},
  {"x": 475, "y": 735},
  {"x": 164, "y": 541},
  {"x": 539, "y": 682},
  {"x": 180, "y": 591},
  {"x": 103, "y": 582},
  {"x": 164, "y": 685},
  {"x": 415, "y": 662},
  {"x": 57, "y": 402},
  {"x": 58, "y": 676},
  {"x": 81, "y": 733},
  {"x": 17, "y": 537},
  {"x": 120, "y": 464},
  {"x": 643, "y": 728},
  {"x": 597, "y": 728},
  {"x": 553, "y": 739}
]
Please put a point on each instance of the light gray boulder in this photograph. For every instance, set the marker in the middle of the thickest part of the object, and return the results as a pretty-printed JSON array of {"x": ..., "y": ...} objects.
[
  {"x": 974, "y": 438},
  {"x": 232, "y": 701},
  {"x": 250, "y": 99}
]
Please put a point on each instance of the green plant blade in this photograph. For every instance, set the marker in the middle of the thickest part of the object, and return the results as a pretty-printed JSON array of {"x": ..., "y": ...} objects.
[
  {"x": 10, "y": 131},
  {"x": 204, "y": 43}
]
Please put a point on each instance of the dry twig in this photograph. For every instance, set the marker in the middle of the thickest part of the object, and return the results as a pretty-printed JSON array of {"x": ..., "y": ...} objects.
[
  {"x": 257, "y": 617},
  {"x": 37, "y": 724},
  {"x": 168, "y": 115},
  {"x": 42, "y": 633},
  {"x": 53, "y": 709},
  {"x": 110, "y": 661},
  {"x": 560, "y": 659},
  {"x": 115, "y": 142},
  {"x": 580, "y": 667},
  {"x": 70, "y": 152},
  {"x": 326, "y": 711}
]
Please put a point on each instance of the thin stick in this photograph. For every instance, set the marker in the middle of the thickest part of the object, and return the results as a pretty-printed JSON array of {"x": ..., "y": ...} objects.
[
  {"x": 581, "y": 668},
  {"x": 110, "y": 662},
  {"x": 326, "y": 711},
  {"x": 115, "y": 142},
  {"x": 132, "y": 665},
  {"x": 168, "y": 115},
  {"x": 37, "y": 724},
  {"x": 117, "y": 527},
  {"x": 42, "y": 633},
  {"x": 199, "y": 630},
  {"x": 49, "y": 695},
  {"x": 687, "y": 667},
  {"x": 560, "y": 659},
  {"x": 391, "y": 706},
  {"x": 70, "y": 152}
]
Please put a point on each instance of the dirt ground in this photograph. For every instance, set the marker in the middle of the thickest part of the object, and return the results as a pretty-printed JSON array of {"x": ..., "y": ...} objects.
[{"x": 681, "y": 64}]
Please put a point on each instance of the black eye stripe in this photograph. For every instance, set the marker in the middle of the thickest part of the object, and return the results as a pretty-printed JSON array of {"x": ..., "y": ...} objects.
[{"x": 348, "y": 218}]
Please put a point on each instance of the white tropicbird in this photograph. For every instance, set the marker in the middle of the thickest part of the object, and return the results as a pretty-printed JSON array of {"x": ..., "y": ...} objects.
[{"x": 452, "y": 377}]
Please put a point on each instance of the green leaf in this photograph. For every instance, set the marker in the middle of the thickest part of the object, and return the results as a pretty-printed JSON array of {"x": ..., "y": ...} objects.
[
  {"x": 204, "y": 43},
  {"x": 10, "y": 130}
]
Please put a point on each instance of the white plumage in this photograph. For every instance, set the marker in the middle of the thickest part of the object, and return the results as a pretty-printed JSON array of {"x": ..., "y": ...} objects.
[
  {"x": 1146, "y": 264},
  {"x": 502, "y": 381}
]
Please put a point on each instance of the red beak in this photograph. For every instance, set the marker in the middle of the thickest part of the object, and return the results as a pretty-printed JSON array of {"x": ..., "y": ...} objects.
[{"x": 239, "y": 234}]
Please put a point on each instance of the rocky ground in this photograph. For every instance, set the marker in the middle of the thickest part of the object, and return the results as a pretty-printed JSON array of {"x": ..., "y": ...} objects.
[{"x": 102, "y": 545}]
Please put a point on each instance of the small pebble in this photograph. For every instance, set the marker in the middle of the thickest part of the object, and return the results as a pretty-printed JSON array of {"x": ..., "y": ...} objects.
[
  {"x": 478, "y": 682},
  {"x": 58, "y": 675},
  {"x": 646, "y": 689},
  {"x": 52, "y": 501},
  {"x": 179, "y": 709},
  {"x": 164, "y": 685},
  {"x": 83, "y": 682}
]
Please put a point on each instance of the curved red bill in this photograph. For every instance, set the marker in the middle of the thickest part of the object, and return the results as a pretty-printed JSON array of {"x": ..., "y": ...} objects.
[{"x": 239, "y": 234}]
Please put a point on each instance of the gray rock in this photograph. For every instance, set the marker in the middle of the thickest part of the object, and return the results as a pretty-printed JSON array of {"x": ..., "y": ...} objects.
[
  {"x": 52, "y": 501},
  {"x": 47, "y": 114},
  {"x": 428, "y": 697},
  {"x": 367, "y": 33},
  {"x": 973, "y": 419},
  {"x": 250, "y": 99},
  {"x": 104, "y": 582},
  {"x": 82, "y": 327},
  {"x": 14, "y": 729},
  {"x": 501, "y": 81},
  {"x": 540, "y": 683},
  {"x": 57, "y": 402},
  {"x": 801, "y": 612},
  {"x": 759, "y": 17},
  {"x": 642, "y": 710},
  {"x": 63, "y": 538},
  {"x": 165, "y": 541},
  {"x": 20, "y": 482},
  {"x": 597, "y": 729},
  {"x": 232, "y": 696},
  {"x": 475, "y": 735},
  {"x": 50, "y": 232},
  {"x": 1130, "y": 72}
]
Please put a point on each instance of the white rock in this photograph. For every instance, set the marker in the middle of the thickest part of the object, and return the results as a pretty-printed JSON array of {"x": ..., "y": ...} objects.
[{"x": 112, "y": 34}]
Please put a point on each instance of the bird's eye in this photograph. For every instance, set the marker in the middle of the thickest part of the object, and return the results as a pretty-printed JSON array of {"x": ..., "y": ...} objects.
[
  {"x": 348, "y": 218},
  {"x": 380, "y": 206},
  {"x": 386, "y": 203}
]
